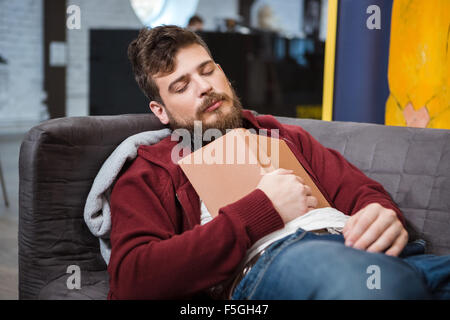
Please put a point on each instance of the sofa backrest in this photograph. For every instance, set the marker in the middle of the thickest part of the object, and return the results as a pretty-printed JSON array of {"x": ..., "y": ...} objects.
[
  {"x": 60, "y": 158},
  {"x": 412, "y": 164}
]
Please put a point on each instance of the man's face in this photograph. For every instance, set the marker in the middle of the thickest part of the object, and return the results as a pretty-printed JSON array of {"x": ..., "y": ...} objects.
[
  {"x": 196, "y": 26},
  {"x": 197, "y": 90}
]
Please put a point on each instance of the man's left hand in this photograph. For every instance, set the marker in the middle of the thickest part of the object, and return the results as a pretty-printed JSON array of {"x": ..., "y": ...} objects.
[{"x": 376, "y": 229}]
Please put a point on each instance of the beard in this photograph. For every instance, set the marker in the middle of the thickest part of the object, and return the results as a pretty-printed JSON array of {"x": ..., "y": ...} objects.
[{"x": 225, "y": 121}]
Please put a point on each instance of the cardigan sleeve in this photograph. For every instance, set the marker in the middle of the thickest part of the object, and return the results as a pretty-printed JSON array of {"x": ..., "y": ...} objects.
[{"x": 153, "y": 258}]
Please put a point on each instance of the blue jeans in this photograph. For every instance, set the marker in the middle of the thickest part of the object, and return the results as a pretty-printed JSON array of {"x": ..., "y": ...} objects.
[{"x": 309, "y": 266}]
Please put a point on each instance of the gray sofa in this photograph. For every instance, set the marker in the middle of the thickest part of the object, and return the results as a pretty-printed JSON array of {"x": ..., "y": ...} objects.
[{"x": 60, "y": 158}]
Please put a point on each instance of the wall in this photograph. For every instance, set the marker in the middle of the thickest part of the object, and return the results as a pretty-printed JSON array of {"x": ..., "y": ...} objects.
[
  {"x": 287, "y": 15},
  {"x": 21, "y": 80},
  {"x": 95, "y": 14},
  {"x": 210, "y": 12},
  {"x": 21, "y": 43},
  {"x": 118, "y": 14},
  {"x": 112, "y": 14}
]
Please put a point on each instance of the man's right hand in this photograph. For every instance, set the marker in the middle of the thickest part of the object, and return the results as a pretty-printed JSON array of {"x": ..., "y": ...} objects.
[{"x": 288, "y": 193}]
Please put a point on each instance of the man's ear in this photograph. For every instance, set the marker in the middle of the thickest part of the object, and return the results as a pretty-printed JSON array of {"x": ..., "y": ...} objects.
[{"x": 159, "y": 111}]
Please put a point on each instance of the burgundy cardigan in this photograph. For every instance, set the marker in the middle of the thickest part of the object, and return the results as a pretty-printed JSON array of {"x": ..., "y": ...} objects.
[{"x": 160, "y": 250}]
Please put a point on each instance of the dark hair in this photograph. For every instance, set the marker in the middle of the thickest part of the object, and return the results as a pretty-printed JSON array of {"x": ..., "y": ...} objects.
[
  {"x": 195, "y": 19},
  {"x": 153, "y": 53}
]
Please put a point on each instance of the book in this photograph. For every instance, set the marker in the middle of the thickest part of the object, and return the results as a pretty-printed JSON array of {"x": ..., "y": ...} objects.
[{"x": 231, "y": 166}]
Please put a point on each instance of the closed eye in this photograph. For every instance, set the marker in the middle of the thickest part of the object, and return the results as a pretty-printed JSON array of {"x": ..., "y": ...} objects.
[
  {"x": 181, "y": 90},
  {"x": 207, "y": 68},
  {"x": 207, "y": 73}
]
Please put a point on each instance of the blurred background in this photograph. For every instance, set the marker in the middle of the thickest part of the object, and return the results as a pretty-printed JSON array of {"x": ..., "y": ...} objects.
[
  {"x": 70, "y": 56},
  {"x": 378, "y": 61},
  {"x": 66, "y": 58}
]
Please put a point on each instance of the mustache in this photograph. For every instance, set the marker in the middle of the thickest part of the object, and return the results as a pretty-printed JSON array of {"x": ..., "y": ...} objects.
[{"x": 212, "y": 98}]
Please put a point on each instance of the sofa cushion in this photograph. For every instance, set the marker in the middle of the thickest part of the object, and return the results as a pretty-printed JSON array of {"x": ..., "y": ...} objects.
[
  {"x": 59, "y": 160},
  {"x": 94, "y": 286}
]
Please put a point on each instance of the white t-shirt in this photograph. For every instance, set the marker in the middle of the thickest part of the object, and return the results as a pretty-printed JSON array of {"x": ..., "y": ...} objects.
[{"x": 324, "y": 218}]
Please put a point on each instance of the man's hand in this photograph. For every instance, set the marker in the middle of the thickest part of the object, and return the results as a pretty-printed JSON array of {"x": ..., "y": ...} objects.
[
  {"x": 376, "y": 229},
  {"x": 288, "y": 193}
]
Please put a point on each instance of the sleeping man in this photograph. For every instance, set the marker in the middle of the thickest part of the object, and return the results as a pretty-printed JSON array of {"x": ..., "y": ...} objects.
[{"x": 164, "y": 244}]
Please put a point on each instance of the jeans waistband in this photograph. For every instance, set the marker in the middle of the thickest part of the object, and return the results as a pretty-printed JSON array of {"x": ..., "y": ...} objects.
[{"x": 249, "y": 265}]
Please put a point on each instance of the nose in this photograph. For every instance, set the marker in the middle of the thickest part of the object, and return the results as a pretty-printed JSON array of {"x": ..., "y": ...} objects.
[{"x": 204, "y": 86}]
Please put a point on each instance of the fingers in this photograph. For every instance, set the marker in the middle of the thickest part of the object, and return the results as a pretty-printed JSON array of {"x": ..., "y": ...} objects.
[
  {"x": 378, "y": 233},
  {"x": 398, "y": 245},
  {"x": 311, "y": 202},
  {"x": 308, "y": 191},
  {"x": 349, "y": 225},
  {"x": 367, "y": 217},
  {"x": 376, "y": 229},
  {"x": 387, "y": 239}
]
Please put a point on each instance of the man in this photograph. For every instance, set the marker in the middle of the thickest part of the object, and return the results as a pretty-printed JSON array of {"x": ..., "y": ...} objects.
[{"x": 162, "y": 248}]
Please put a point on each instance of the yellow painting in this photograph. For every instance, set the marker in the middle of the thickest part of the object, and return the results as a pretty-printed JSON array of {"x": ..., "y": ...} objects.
[{"x": 419, "y": 64}]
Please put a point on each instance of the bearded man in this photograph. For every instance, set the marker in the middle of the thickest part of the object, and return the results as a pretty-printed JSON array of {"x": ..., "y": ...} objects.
[{"x": 164, "y": 245}]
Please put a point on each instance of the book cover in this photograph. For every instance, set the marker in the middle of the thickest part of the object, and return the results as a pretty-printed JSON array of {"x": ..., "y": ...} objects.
[{"x": 231, "y": 167}]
